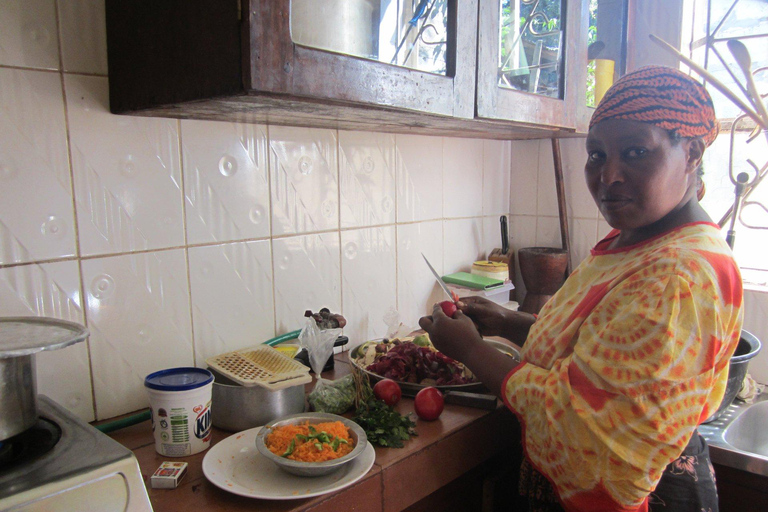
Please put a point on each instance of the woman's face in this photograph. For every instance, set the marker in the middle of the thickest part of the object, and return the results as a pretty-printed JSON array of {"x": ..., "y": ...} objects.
[{"x": 637, "y": 175}]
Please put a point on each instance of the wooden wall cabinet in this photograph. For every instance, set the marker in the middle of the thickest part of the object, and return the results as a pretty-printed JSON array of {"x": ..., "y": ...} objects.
[
  {"x": 494, "y": 102},
  {"x": 235, "y": 60},
  {"x": 275, "y": 64}
]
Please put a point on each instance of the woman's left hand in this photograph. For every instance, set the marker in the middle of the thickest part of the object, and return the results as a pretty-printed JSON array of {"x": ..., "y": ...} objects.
[
  {"x": 459, "y": 339},
  {"x": 451, "y": 336}
]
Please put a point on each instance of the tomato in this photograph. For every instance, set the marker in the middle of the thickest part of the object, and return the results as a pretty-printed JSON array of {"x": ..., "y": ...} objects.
[
  {"x": 387, "y": 391},
  {"x": 429, "y": 403},
  {"x": 449, "y": 308}
]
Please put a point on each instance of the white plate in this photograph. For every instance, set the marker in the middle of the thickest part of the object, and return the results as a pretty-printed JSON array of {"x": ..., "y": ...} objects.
[{"x": 236, "y": 466}]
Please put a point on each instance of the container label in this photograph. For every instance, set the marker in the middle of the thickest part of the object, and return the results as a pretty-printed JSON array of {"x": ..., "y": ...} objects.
[
  {"x": 179, "y": 425},
  {"x": 203, "y": 423},
  {"x": 176, "y": 450}
]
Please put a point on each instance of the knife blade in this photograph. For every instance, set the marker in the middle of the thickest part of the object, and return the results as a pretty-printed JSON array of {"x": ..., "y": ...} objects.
[{"x": 439, "y": 281}]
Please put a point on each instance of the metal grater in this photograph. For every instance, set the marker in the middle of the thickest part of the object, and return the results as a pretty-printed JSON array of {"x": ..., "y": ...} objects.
[{"x": 260, "y": 366}]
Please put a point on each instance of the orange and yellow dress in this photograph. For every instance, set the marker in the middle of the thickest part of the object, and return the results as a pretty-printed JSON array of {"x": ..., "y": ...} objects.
[{"x": 624, "y": 362}]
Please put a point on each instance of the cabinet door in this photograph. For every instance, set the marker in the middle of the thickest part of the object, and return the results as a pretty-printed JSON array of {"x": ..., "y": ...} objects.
[
  {"x": 532, "y": 62},
  {"x": 356, "y": 51}
]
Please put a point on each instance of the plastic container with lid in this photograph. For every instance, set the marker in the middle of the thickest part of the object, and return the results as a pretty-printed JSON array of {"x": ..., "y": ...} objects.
[
  {"x": 180, "y": 405},
  {"x": 492, "y": 269}
]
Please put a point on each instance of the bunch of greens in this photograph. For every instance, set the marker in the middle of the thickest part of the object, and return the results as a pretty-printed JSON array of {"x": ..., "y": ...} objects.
[
  {"x": 383, "y": 425},
  {"x": 334, "y": 397}
]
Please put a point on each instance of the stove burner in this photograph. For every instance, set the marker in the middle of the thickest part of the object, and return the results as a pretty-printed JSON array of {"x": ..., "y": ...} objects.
[{"x": 28, "y": 445}]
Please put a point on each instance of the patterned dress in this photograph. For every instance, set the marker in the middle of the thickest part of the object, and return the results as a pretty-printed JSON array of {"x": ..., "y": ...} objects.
[{"x": 623, "y": 364}]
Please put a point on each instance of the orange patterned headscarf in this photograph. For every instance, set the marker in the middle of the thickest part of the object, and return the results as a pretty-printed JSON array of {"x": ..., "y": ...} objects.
[{"x": 664, "y": 97}]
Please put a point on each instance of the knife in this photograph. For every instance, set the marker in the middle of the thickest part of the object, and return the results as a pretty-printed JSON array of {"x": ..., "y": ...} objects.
[
  {"x": 463, "y": 398},
  {"x": 439, "y": 281}
]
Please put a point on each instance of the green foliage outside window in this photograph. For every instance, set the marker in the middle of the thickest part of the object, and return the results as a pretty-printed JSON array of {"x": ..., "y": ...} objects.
[{"x": 591, "y": 38}]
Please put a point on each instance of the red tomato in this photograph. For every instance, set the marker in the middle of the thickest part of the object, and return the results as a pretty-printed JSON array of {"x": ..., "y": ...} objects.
[
  {"x": 387, "y": 391},
  {"x": 429, "y": 403},
  {"x": 449, "y": 308}
]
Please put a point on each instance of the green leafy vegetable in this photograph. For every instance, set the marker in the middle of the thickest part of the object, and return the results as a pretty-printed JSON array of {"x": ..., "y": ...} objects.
[
  {"x": 334, "y": 397},
  {"x": 383, "y": 425}
]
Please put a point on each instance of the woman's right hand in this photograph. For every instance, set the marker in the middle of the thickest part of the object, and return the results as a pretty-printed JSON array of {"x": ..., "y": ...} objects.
[
  {"x": 488, "y": 316},
  {"x": 493, "y": 319}
]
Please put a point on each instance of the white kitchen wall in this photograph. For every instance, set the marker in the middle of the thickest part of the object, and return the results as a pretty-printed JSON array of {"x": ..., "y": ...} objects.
[{"x": 177, "y": 240}]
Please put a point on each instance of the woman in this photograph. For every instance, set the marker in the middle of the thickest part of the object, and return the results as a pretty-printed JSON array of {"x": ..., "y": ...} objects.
[{"x": 631, "y": 354}]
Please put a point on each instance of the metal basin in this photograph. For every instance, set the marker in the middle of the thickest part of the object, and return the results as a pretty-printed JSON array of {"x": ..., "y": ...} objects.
[
  {"x": 312, "y": 468},
  {"x": 748, "y": 431},
  {"x": 749, "y": 346},
  {"x": 739, "y": 438},
  {"x": 236, "y": 408}
]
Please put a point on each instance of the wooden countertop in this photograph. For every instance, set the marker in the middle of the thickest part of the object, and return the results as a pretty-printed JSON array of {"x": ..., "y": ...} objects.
[{"x": 460, "y": 440}]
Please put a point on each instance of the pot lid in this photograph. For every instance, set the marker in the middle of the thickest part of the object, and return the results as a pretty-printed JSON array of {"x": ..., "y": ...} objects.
[{"x": 23, "y": 336}]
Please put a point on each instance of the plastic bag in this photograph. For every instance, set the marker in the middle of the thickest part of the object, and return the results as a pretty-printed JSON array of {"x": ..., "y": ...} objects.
[
  {"x": 395, "y": 327},
  {"x": 319, "y": 346},
  {"x": 318, "y": 343},
  {"x": 333, "y": 396}
]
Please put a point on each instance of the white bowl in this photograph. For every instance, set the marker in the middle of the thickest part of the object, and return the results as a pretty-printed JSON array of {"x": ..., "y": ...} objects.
[{"x": 312, "y": 468}]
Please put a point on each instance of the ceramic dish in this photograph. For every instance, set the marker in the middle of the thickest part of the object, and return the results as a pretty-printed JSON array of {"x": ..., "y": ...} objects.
[
  {"x": 354, "y": 355},
  {"x": 312, "y": 469},
  {"x": 236, "y": 466}
]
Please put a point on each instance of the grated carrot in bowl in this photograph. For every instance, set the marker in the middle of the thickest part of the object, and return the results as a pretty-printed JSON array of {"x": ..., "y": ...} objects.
[{"x": 307, "y": 442}]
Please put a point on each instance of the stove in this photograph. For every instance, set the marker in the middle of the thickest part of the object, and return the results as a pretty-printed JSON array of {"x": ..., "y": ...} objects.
[{"x": 63, "y": 464}]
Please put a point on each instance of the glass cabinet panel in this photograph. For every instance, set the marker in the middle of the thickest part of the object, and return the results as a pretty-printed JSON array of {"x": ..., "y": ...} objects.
[
  {"x": 532, "y": 62},
  {"x": 407, "y": 33},
  {"x": 531, "y": 39}
]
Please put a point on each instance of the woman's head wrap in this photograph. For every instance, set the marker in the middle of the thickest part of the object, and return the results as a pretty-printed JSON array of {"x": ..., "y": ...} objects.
[{"x": 664, "y": 97}]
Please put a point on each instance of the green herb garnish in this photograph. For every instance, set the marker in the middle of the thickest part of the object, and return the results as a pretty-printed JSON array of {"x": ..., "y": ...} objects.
[
  {"x": 336, "y": 442},
  {"x": 290, "y": 449}
]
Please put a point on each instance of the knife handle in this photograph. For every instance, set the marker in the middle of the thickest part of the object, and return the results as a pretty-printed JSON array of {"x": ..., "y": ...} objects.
[
  {"x": 504, "y": 235},
  {"x": 477, "y": 400}
]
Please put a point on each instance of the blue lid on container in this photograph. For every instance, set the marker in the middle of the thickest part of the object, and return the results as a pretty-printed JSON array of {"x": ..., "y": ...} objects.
[{"x": 178, "y": 379}]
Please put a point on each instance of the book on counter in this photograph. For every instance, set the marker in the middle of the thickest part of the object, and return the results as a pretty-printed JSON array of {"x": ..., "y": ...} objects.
[{"x": 474, "y": 281}]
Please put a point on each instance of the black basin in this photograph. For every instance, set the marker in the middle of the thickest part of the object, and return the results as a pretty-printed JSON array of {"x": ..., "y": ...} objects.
[{"x": 748, "y": 347}]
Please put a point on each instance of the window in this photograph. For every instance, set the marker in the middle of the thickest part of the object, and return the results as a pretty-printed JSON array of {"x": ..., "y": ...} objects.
[{"x": 709, "y": 27}]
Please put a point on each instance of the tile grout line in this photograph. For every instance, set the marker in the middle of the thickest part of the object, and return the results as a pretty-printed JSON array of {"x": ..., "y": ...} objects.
[
  {"x": 75, "y": 223},
  {"x": 254, "y": 239},
  {"x": 338, "y": 220},
  {"x": 61, "y": 64},
  {"x": 393, "y": 161},
  {"x": 185, "y": 236},
  {"x": 268, "y": 163},
  {"x": 442, "y": 206}
]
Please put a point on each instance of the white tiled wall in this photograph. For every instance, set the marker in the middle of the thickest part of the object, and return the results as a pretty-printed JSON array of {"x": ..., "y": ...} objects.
[{"x": 177, "y": 240}]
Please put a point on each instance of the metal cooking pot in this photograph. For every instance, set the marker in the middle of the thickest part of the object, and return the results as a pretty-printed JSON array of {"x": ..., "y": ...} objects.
[
  {"x": 236, "y": 408},
  {"x": 18, "y": 395},
  {"x": 20, "y": 339}
]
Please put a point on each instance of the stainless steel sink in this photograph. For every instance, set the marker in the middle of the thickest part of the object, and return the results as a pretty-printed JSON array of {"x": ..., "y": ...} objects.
[
  {"x": 739, "y": 437},
  {"x": 748, "y": 432}
]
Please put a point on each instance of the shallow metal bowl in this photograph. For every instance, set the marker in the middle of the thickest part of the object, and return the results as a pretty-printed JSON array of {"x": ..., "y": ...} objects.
[
  {"x": 312, "y": 468},
  {"x": 354, "y": 358}
]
